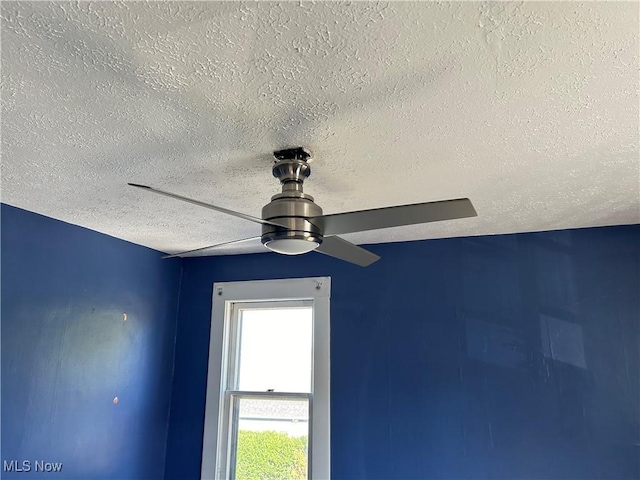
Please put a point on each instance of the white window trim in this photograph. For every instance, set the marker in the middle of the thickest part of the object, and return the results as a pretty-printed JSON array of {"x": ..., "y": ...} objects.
[{"x": 225, "y": 294}]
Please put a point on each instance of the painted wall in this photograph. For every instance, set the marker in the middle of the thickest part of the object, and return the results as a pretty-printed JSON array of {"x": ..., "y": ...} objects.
[
  {"x": 67, "y": 351},
  {"x": 491, "y": 357}
]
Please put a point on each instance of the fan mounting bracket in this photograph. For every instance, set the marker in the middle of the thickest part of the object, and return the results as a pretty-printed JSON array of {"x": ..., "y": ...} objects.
[{"x": 297, "y": 153}]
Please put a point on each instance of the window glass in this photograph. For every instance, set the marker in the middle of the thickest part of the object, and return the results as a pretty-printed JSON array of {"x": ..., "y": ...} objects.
[
  {"x": 272, "y": 438},
  {"x": 275, "y": 349}
]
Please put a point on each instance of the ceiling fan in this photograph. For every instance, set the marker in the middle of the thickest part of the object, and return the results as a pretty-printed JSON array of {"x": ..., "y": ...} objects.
[{"x": 293, "y": 224}]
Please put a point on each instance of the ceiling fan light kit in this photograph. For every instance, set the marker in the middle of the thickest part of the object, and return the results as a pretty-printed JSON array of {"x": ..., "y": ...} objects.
[{"x": 293, "y": 224}]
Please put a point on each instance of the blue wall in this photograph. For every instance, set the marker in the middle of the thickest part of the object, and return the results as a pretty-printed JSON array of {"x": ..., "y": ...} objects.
[
  {"x": 67, "y": 352},
  {"x": 492, "y": 357}
]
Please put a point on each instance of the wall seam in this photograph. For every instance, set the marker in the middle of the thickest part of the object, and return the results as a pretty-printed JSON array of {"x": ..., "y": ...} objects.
[{"x": 173, "y": 369}]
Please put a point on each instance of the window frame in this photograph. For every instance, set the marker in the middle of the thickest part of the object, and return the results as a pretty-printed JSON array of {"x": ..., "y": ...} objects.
[{"x": 216, "y": 425}]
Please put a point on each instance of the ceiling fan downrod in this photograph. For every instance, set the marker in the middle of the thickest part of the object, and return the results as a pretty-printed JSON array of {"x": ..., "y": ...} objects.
[{"x": 291, "y": 167}]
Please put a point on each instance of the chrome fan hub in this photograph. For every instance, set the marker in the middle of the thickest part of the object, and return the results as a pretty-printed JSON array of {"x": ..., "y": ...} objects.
[{"x": 292, "y": 208}]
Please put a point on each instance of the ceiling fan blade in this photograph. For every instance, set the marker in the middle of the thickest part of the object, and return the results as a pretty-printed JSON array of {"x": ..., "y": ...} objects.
[
  {"x": 197, "y": 250},
  {"x": 206, "y": 205},
  {"x": 364, "y": 220},
  {"x": 339, "y": 248}
]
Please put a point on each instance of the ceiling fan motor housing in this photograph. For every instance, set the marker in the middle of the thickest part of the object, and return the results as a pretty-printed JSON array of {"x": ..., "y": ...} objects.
[{"x": 292, "y": 207}]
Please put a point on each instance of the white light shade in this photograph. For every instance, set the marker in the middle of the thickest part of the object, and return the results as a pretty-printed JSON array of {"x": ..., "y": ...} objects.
[{"x": 291, "y": 246}]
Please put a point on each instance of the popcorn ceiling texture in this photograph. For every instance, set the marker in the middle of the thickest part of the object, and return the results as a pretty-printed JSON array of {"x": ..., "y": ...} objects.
[{"x": 529, "y": 109}]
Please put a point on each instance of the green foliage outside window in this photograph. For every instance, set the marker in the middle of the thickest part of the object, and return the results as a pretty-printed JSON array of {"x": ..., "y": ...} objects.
[{"x": 270, "y": 456}]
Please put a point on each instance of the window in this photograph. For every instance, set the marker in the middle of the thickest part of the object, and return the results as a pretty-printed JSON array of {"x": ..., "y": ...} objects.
[{"x": 267, "y": 410}]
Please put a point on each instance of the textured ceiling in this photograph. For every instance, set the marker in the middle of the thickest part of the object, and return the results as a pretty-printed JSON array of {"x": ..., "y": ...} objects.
[{"x": 529, "y": 109}]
